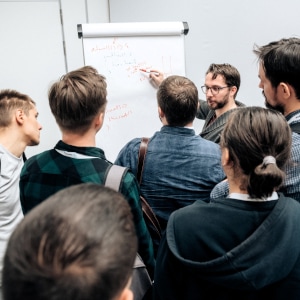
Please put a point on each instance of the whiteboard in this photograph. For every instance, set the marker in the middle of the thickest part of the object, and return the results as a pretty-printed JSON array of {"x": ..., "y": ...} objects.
[{"x": 118, "y": 51}]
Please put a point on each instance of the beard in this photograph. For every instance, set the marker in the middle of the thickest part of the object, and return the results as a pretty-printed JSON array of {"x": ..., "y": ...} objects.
[
  {"x": 277, "y": 107},
  {"x": 217, "y": 105}
]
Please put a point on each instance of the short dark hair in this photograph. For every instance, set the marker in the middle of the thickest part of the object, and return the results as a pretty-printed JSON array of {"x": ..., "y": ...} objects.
[
  {"x": 230, "y": 73},
  {"x": 251, "y": 134},
  {"x": 10, "y": 100},
  {"x": 77, "y": 98},
  {"x": 78, "y": 244},
  {"x": 281, "y": 62},
  {"x": 177, "y": 96}
]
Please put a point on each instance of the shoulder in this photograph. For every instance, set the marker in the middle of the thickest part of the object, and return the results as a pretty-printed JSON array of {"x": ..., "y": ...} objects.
[
  {"x": 130, "y": 146},
  {"x": 240, "y": 104},
  {"x": 134, "y": 143},
  {"x": 287, "y": 214},
  {"x": 209, "y": 143},
  {"x": 189, "y": 226},
  {"x": 290, "y": 204},
  {"x": 187, "y": 218},
  {"x": 220, "y": 190},
  {"x": 211, "y": 146},
  {"x": 128, "y": 176},
  {"x": 128, "y": 154},
  {"x": 129, "y": 181},
  {"x": 36, "y": 160},
  {"x": 130, "y": 189}
]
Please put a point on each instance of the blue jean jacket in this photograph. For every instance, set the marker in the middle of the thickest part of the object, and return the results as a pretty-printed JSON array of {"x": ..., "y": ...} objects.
[{"x": 180, "y": 167}]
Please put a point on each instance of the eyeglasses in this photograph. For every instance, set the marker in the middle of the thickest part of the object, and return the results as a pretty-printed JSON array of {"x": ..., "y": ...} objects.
[{"x": 214, "y": 89}]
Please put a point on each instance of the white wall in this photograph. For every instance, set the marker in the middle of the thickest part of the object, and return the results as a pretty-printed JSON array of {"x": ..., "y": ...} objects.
[
  {"x": 79, "y": 12},
  {"x": 32, "y": 53}
]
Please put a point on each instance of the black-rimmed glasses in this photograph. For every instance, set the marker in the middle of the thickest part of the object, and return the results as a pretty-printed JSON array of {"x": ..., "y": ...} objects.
[{"x": 214, "y": 89}]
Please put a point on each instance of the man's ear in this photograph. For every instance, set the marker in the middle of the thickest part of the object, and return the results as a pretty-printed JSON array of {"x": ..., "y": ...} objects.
[
  {"x": 284, "y": 90},
  {"x": 100, "y": 119},
  {"x": 226, "y": 161},
  {"x": 161, "y": 114},
  {"x": 102, "y": 115},
  {"x": 233, "y": 90},
  {"x": 19, "y": 115}
]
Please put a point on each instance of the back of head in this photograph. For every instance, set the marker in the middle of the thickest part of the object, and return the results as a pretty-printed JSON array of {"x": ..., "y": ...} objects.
[
  {"x": 177, "y": 97},
  {"x": 11, "y": 100},
  {"x": 79, "y": 244},
  {"x": 77, "y": 98},
  {"x": 281, "y": 62},
  {"x": 259, "y": 145},
  {"x": 230, "y": 74}
]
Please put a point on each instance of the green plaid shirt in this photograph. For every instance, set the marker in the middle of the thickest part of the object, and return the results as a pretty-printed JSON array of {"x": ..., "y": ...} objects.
[{"x": 65, "y": 165}]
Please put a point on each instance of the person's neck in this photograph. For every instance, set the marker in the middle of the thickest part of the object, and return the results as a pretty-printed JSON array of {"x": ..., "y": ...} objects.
[
  {"x": 79, "y": 140},
  {"x": 230, "y": 105},
  {"x": 189, "y": 125},
  {"x": 235, "y": 184},
  {"x": 291, "y": 107},
  {"x": 12, "y": 142}
]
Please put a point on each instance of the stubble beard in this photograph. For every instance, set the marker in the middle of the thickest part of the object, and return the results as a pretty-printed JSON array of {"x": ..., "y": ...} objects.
[
  {"x": 219, "y": 105},
  {"x": 278, "y": 107}
]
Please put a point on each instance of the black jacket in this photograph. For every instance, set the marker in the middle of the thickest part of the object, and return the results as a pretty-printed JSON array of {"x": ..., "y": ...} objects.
[{"x": 231, "y": 249}]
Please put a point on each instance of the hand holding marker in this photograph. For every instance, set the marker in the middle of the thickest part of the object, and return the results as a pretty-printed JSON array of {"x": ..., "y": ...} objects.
[
  {"x": 149, "y": 72},
  {"x": 156, "y": 76}
]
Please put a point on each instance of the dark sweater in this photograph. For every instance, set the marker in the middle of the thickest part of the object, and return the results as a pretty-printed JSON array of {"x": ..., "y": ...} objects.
[{"x": 231, "y": 249}]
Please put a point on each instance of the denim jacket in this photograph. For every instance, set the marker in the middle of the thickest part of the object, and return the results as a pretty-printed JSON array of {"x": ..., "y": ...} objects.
[{"x": 180, "y": 167}]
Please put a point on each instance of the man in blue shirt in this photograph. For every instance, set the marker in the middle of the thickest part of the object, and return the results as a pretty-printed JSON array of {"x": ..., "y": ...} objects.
[{"x": 180, "y": 166}]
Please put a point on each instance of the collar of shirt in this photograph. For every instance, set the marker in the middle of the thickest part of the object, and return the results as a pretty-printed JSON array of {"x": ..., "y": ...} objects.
[
  {"x": 293, "y": 116},
  {"x": 246, "y": 197},
  {"x": 177, "y": 130},
  {"x": 85, "y": 151},
  {"x": 189, "y": 127}
]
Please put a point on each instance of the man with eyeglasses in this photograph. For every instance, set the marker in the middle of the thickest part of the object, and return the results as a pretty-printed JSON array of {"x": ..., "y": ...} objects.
[
  {"x": 280, "y": 86},
  {"x": 222, "y": 82}
]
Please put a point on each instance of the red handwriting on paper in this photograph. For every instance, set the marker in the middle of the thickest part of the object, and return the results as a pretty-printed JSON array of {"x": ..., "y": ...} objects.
[
  {"x": 115, "y": 45},
  {"x": 116, "y": 113},
  {"x": 117, "y": 57},
  {"x": 120, "y": 116}
]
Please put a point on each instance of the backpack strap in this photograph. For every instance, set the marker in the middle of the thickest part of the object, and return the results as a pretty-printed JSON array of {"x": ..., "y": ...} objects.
[
  {"x": 147, "y": 210},
  {"x": 141, "y": 283},
  {"x": 114, "y": 177},
  {"x": 141, "y": 159}
]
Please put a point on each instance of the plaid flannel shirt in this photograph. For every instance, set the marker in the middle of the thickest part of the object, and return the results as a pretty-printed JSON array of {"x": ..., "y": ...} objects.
[{"x": 52, "y": 170}]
